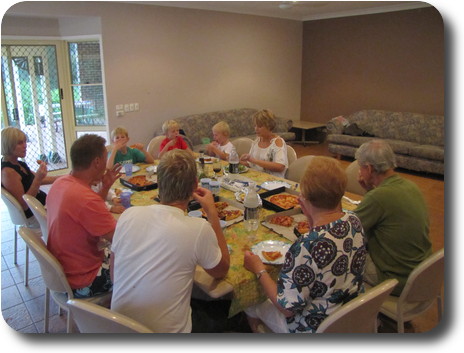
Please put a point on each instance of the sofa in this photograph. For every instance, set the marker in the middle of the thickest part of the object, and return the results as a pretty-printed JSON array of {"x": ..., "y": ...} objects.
[
  {"x": 198, "y": 126},
  {"x": 418, "y": 140}
]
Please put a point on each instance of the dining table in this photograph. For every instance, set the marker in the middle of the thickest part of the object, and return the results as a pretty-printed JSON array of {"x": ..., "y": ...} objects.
[{"x": 240, "y": 285}]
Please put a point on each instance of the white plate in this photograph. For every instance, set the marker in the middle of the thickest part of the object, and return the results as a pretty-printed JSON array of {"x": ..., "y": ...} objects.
[
  {"x": 135, "y": 168},
  {"x": 272, "y": 185},
  {"x": 271, "y": 245},
  {"x": 151, "y": 168},
  {"x": 241, "y": 169}
]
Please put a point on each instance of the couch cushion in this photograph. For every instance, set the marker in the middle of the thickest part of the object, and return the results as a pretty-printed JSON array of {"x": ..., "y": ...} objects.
[
  {"x": 436, "y": 153},
  {"x": 401, "y": 147}
]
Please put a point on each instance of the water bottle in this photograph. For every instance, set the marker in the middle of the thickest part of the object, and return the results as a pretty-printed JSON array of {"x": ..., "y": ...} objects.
[
  {"x": 252, "y": 205},
  {"x": 233, "y": 162}
]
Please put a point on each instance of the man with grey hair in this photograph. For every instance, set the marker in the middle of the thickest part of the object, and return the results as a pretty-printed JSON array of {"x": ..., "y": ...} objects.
[
  {"x": 156, "y": 249},
  {"x": 394, "y": 217}
]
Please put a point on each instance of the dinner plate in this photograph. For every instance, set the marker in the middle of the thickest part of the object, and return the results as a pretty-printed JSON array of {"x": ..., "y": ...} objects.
[
  {"x": 271, "y": 245},
  {"x": 152, "y": 168},
  {"x": 210, "y": 161},
  {"x": 135, "y": 168},
  {"x": 241, "y": 169},
  {"x": 271, "y": 185}
]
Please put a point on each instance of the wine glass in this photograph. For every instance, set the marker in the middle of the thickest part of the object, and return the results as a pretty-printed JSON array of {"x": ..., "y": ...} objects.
[{"x": 216, "y": 167}]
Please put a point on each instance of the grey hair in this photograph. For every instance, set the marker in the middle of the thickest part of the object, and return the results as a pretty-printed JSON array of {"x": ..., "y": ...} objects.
[
  {"x": 177, "y": 176},
  {"x": 378, "y": 154}
]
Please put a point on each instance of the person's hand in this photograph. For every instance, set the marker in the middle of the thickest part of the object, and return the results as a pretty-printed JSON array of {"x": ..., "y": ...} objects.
[
  {"x": 116, "y": 200},
  {"x": 119, "y": 144},
  {"x": 252, "y": 262},
  {"x": 42, "y": 171},
  {"x": 117, "y": 209},
  {"x": 206, "y": 199},
  {"x": 138, "y": 146},
  {"x": 111, "y": 175}
]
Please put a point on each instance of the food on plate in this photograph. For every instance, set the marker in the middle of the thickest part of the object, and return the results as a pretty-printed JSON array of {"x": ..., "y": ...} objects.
[
  {"x": 139, "y": 180},
  {"x": 271, "y": 255},
  {"x": 302, "y": 227},
  {"x": 220, "y": 205},
  {"x": 285, "y": 201},
  {"x": 229, "y": 215},
  {"x": 285, "y": 221}
]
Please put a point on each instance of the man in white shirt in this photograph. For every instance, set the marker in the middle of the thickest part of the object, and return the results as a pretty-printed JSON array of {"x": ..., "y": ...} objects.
[{"x": 156, "y": 248}]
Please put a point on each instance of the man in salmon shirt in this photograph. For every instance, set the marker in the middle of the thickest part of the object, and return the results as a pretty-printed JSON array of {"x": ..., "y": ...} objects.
[{"x": 78, "y": 219}]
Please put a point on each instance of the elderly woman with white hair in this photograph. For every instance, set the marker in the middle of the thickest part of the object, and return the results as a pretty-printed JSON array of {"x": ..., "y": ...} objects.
[
  {"x": 394, "y": 217},
  {"x": 17, "y": 177}
]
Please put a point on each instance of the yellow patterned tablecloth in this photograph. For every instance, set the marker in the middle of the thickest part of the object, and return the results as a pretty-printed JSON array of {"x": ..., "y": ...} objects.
[{"x": 247, "y": 290}]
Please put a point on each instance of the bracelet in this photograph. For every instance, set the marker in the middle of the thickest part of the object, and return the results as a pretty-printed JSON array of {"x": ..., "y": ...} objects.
[{"x": 260, "y": 273}]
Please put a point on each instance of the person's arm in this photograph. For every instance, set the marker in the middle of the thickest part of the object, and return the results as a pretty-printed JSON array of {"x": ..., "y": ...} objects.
[
  {"x": 111, "y": 175},
  {"x": 112, "y": 266},
  {"x": 206, "y": 200},
  {"x": 254, "y": 264},
  {"x": 248, "y": 158},
  {"x": 114, "y": 150},
  {"x": 148, "y": 158},
  {"x": 165, "y": 148}
]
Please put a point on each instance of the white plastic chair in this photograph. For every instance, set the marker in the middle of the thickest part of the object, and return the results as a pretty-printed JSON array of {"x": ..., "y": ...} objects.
[
  {"x": 353, "y": 185},
  {"x": 297, "y": 169},
  {"x": 422, "y": 289},
  {"x": 154, "y": 146},
  {"x": 18, "y": 218},
  {"x": 360, "y": 314},
  {"x": 242, "y": 145},
  {"x": 54, "y": 278},
  {"x": 92, "y": 318},
  {"x": 39, "y": 212},
  {"x": 291, "y": 155}
]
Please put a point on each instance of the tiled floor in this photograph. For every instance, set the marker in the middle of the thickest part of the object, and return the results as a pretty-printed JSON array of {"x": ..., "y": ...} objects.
[{"x": 23, "y": 307}]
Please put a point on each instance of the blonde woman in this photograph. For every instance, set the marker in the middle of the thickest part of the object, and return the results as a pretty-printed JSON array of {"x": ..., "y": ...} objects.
[
  {"x": 17, "y": 177},
  {"x": 324, "y": 268},
  {"x": 173, "y": 139},
  {"x": 221, "y": 146},
  {"x": 268, "y": 153}
]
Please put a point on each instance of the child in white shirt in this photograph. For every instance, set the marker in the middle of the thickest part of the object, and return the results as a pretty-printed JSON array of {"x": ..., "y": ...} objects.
[{"x": 221, "y": 146}]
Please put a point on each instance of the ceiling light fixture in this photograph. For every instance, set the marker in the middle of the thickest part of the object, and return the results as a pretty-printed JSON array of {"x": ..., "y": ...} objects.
[{"x": 284, "y": 5}]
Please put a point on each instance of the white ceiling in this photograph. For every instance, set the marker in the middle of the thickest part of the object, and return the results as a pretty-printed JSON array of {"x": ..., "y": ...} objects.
[{"x": 296, "y": 10}]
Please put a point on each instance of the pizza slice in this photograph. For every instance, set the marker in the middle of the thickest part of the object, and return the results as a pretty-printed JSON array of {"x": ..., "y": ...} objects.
[
  {"x": 271, "y": 255},
  {"x": 285, "y": 221},
  {"x": 229, "y": 215}
]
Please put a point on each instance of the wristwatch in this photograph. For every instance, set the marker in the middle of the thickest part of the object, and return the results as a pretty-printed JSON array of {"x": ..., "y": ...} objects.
[{"x": 260, "y": 273}]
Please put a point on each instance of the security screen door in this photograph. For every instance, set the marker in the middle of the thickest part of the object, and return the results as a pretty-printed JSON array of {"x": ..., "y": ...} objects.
[{"x": 32, "y": 99}]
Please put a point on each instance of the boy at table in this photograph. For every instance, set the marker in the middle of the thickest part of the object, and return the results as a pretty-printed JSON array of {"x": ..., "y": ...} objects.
[
  {"x": 324, "y": 268},
  {"x": 121, "y": 153},
  {"x": 156, "y": 248},
  {"x": 173, "y": 140},
  {"x": 221, "y": 146}
]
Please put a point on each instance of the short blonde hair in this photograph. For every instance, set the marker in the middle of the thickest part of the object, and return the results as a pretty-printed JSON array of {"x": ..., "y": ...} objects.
[
  {"x": 170, "y": 124},
  {"x": 177, "y": 176},
  {"x": 120, "y": 130},
  {"x": 10, "y": 138},
  {"x": 223, "y": 128},
  {"x": 324, "y": 182},
  {"x": 265, "y": 118}
]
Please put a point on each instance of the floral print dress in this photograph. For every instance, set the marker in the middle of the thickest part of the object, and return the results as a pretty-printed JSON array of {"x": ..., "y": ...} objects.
[{"x": 323, "y": 269}]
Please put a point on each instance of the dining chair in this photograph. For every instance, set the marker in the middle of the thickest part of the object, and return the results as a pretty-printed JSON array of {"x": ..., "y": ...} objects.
[
  {"x": 93, "y": 318},
  {"x": 154, "y": 146},
  {"x": 18, "y": 218},
  {"x": 56, "y": 283},
  {"x": 296, "y": 170},
  {"x": 359, "y": 315},
  {"x": 422, "y": 289},
  {"x": 291, "y": 155},
  {"x": 242, "y": 145},
  {"x": 39, "y": 212},
  {"x": 353, "y": 185}
]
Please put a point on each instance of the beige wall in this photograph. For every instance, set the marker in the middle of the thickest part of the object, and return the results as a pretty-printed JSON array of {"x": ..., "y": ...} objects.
[
  {"x": 392, "y": 61},
  {"x": 175, "y": 62}
]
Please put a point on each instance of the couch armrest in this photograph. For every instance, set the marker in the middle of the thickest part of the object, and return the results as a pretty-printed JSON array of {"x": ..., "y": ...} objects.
[{"x": 337, "y": 124}]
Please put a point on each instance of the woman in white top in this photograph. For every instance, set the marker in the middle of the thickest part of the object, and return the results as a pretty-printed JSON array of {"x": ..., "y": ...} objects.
[{"x": 268, "y": 153}]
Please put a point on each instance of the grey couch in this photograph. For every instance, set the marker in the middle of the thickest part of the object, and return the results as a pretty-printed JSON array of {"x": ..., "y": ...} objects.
[
  {"x": 198, "y": 126},
  {"x": 418, "y": 140}
]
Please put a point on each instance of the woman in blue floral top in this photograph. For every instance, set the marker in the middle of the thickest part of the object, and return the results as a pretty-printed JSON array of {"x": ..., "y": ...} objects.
[{"x": 323, "y": 269}]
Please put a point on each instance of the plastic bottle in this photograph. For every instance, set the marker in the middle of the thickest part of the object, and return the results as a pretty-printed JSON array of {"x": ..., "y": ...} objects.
[
  {"x": 233, "y": 162},
  {"x": 252, "y": 205}
]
